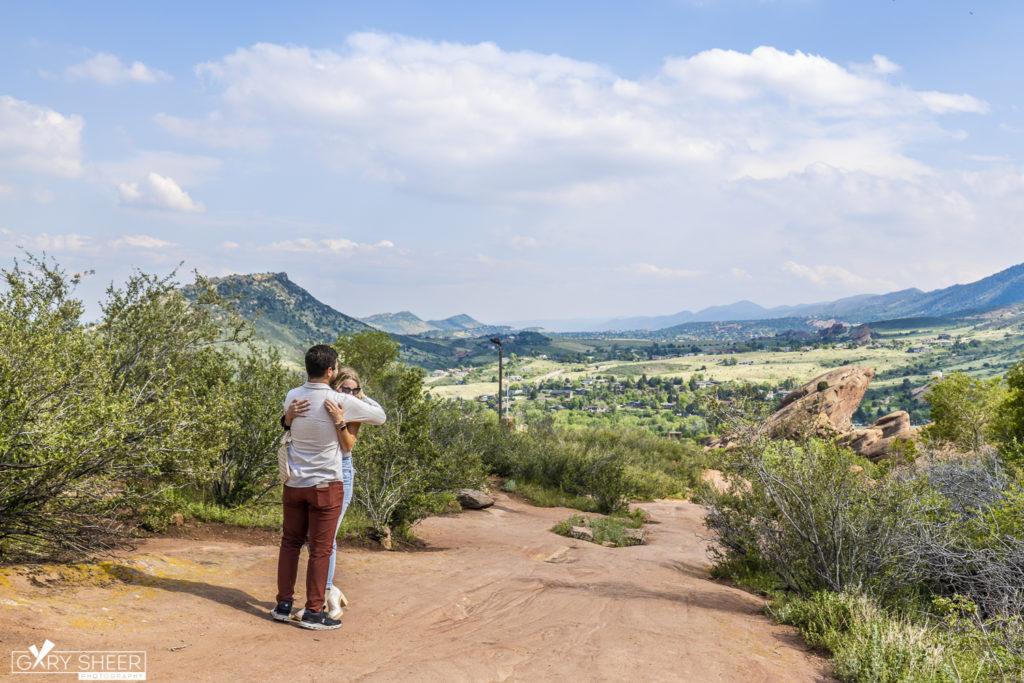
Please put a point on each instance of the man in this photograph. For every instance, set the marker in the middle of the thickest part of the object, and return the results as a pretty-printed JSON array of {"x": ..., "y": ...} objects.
[{"x": 313, "y": 494}]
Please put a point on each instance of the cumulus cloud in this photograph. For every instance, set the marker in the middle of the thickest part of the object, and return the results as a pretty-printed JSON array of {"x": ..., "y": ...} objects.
[
  {"x": 479, "y": 122},
  {"x": 806, "y": 80},
  {"x": 157, "y": 192},
  {"x": 659, "y": 272},
  {"x": 38, "y": 139},
  {"x": 109, "y": 70},
  {"x": 142, "y": 242}
]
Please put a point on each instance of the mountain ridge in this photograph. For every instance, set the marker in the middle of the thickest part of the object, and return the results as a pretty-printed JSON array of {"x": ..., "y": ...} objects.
[{"x": 1002, "y": 288}]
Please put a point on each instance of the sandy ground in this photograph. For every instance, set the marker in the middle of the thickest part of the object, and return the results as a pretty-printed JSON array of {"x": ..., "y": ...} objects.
[{"x": 495, "y": 596}]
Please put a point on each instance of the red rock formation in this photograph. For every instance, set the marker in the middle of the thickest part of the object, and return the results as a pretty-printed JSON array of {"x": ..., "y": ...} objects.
[{"x": 876, "y": 442}]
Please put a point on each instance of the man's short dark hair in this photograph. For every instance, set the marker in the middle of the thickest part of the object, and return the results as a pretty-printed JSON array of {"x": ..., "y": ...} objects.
[{"x": 319, "y": 359}]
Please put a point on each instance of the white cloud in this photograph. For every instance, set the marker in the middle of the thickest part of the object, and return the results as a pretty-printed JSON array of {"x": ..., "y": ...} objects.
[
  {"x": 825, "y": 276},
  {"x": 157, "y": 192},
  {"x": 740, "y": 274},
  {"x": 40, "y": 140},
  {"x": 884, "y": 65},
  {"x": 650, "y": 270},
  {"x": 489, "y": 125},
  {"x": 109, "y": 70},
  {"x": 523, "y": 241},
  {"x": 66, "y": 242},
  {"x": 142, "y": 242},
  {"x": 805, "y": 80},
  {"x": 324, "y": 246}
]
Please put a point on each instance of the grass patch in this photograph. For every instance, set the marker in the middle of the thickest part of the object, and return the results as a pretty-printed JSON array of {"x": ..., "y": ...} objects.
[
  {"x": 551, "y": 497},
  {"x": 613, "y": 531},
  {"x": 870, "y": 643}
]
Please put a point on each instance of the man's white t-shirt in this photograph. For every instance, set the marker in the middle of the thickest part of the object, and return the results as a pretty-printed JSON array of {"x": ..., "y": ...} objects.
[{"x": 314, "y": 454}]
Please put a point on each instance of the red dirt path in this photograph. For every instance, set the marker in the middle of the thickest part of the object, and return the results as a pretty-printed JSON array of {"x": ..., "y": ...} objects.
[{"x": 495, "y": 596}]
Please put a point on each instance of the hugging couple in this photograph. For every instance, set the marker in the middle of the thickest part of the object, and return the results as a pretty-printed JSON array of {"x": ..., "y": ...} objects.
[{"x": 322, "y": 417}]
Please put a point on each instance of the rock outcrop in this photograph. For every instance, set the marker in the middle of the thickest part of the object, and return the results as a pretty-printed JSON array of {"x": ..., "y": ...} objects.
[
  {"x": 823, "y": 407},
  {"x": 876, "y": 442},
  {"x": 825, "y": 404},
  {"x": 861, "y": 334}
]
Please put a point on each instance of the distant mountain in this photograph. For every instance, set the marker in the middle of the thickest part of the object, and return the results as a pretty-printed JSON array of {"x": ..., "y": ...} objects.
[
  {"x": 403, "y": 322},
  {"x": 406, "y": 322},
  {"x": 1001, "y": 289},
  {"x": 457, "y": 322}
]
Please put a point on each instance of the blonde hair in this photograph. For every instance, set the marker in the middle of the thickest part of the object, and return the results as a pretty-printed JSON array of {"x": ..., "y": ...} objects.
[{"x": 344, "y": 373}]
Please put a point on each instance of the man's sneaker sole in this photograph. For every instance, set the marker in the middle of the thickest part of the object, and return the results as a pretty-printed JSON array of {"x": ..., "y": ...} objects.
[
  {"x": 277, "y": 616},
  {"x": 315, "y": 626}
]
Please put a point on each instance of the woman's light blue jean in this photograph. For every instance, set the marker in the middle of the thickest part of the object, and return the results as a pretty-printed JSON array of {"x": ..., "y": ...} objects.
[{"x": 347, "y": 478}]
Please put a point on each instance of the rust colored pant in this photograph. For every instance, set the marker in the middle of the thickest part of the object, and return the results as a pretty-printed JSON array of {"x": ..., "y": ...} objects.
[{"x": 313, "y": 511}]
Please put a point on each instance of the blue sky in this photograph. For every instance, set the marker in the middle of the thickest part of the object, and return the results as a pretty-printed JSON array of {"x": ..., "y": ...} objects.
[{"x": 519, "y": 161}]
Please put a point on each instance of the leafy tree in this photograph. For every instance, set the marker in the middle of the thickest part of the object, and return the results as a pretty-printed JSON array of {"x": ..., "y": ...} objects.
[
  {"x": 407, "y": 465},
  {"x": 963, "y": 408},
  {"x": 247, "y": 464}
]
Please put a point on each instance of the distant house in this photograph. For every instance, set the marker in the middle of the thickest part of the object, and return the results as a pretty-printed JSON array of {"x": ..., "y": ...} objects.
[
  {"x": 944, "y": 342},
  {"x": 675, "y": 435},
  {"x": 567, "y": 393},
  {"x": 919, "y": 349}
]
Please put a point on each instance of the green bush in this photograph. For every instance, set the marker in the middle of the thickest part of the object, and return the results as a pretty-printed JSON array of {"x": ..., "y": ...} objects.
[
  {"x": 871, "y": 645},
  {"x": 815, "y": 517}
]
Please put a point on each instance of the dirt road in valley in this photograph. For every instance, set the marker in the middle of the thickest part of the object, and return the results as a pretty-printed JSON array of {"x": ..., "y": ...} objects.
[{"x": 495, "y": 596}]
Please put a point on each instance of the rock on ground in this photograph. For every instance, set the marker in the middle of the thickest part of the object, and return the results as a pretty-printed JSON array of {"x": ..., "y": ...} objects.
[{"x": 471, "y": 499}]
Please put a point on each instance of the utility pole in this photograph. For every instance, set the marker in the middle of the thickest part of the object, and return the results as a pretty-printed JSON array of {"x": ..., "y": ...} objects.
[{"x": 495, "y": 340}]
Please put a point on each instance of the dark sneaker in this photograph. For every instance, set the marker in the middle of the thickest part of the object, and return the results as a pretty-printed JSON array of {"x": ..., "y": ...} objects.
[
  {"x": 318, "y": 621},
  {"x": 283, "y": 611}
]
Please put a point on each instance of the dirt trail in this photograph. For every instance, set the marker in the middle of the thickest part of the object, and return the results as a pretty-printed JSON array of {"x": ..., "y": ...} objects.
[{"x": 496, "y": 597}]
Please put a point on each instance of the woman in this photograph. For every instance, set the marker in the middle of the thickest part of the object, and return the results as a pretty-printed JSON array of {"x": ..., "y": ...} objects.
[{"x": 346, "y": 381}]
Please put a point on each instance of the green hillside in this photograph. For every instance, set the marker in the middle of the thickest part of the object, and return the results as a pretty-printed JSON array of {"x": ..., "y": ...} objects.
[{"x": 403, "y": 322}]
